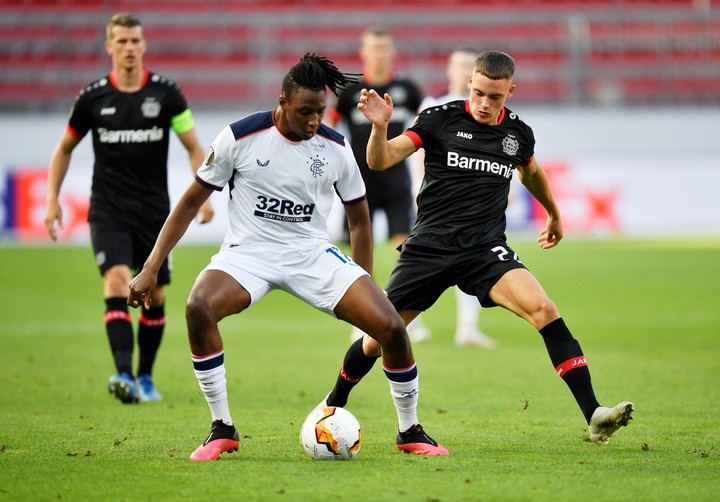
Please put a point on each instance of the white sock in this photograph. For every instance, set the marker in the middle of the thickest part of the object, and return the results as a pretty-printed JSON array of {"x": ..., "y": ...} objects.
[
  {"x": 214, "y": 386},
  {"x": 405, "y": 397}
]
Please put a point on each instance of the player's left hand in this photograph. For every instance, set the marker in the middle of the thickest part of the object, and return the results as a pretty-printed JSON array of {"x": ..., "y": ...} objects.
[
  {"x": 378, "y": 110},
  {"x": 206, "y": 212},
  {"x": 551, "y": 235}
]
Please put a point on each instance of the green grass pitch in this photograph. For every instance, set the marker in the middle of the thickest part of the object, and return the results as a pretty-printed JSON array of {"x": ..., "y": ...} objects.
[{"x": 647, "y": 313}]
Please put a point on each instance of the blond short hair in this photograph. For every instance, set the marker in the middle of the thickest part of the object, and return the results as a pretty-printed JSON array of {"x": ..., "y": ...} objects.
[{"x": 124, "y": 19}]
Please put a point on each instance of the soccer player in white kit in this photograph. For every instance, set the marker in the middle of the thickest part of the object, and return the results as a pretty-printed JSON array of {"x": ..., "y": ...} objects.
[{"x": 283, "y": 169}]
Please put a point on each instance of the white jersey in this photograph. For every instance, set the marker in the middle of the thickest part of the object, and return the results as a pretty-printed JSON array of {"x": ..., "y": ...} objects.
[{"x": 281, "y": 191}]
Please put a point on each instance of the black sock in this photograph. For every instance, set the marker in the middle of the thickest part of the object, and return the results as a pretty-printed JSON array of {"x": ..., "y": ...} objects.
[
  {"x": 569, "y": 361},
  {"x": 120, "y": 333},
  {"x": 355, "y": 366},
  {"x": 150, "y": 331}
]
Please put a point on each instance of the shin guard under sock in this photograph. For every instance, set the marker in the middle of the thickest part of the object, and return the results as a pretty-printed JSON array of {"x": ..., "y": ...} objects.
[
  {"x": 151, "y": 326},
  {"x": 120, "y": 333},
  {"x": 355, "y": 366},
  {"x": 570, "y": 364},
  {"x": 210, "y": 374},
  {"x": 404, "y": 389}
]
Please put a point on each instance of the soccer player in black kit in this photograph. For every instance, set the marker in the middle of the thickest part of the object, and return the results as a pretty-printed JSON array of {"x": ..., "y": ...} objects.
[
  {"x": 389, "y": 191},
  {"x": 130, "y": 112},
  {"x": 472, "y": 147}
]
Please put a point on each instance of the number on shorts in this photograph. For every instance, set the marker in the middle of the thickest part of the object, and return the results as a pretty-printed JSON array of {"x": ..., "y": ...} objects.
[
  {"x": 503, "y": 254},
  {"x": 339, "y": 255}
]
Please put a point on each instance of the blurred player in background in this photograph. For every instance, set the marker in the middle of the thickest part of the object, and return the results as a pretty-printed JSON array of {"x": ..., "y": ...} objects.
[
  {"x": 460, "y": 66},
  {"x": 130, "y": 112},
  {"x": 389, "y": 191},
  {"x": 284, "y": 169},
  {"x": 472, "y": 147}
]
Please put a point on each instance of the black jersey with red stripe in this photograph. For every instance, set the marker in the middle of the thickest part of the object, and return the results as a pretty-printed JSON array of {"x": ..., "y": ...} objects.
[
  {"x": 130, "y": 132},
  {"x": 468, "y": 169}
]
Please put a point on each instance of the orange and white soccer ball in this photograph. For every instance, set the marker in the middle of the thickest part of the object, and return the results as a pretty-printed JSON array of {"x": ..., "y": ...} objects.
[{"x": 331, "y": 433}]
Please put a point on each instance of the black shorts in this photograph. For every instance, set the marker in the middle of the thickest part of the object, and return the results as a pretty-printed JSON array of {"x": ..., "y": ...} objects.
[
  {"x": 422, "y": 274},
  {"x": 117, "y": 244},
  {"x": 397, "y": 206},
  {"x": 395, "y": 203}
]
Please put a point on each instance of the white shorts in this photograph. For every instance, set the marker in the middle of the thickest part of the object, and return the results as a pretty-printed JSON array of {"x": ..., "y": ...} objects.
[{"x": 318, "y": 275}]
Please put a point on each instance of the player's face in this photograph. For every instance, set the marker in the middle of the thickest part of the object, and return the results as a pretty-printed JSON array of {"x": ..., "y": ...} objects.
[
  {"x": 304, "y": 111},
  {"x": 126, "y": 47},
  {"x": 460, "y": 66},
  {"x": 377, "y": 53},
  {"x": 487, "y": 97}
]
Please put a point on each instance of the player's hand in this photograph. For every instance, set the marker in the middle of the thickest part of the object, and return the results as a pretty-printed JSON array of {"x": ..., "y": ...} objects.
[
  {"x": 141, "y": 288},
  {"x": 376, "y": 109},
  {"x": 53, "y": 214},
  {"x": 206, "y": 212},
  {"x": 551, "y": 235}
]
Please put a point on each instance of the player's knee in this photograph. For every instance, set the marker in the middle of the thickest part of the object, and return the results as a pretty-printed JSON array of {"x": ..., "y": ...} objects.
[
  {"x": 197, "y": 313},
  {"x": 544, "y": 313},
  {"x": 393, "y": 335},
  {"x": 116, "y": 281}
]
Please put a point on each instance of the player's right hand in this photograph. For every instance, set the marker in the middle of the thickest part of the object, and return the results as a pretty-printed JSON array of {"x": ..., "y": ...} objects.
[{"x": 53, "y": 213}]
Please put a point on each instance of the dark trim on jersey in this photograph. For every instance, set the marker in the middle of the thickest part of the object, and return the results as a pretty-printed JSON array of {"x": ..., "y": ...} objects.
[
  {"x": 331, "y": 134},
  {"x": 500, "y": 117},
  {"x": 113, "y": 79},
  {"x": 353, "y": 201},
  {"x": 207, "y": 185},
  {"x": 252, "y": 124},
  {"x": 349, "y": 202}
]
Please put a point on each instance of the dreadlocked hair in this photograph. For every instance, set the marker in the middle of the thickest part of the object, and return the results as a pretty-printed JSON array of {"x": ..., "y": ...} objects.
[{"x": 315, "y": 73}]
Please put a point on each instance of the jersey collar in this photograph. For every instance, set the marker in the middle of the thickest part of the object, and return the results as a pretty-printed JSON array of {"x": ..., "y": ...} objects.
[
  {"x": 113, "y": 79},
  {"x": 500, "y": 117}
]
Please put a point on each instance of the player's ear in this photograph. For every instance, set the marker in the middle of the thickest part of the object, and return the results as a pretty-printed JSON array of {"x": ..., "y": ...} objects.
[{"x": 510, "y": 92}]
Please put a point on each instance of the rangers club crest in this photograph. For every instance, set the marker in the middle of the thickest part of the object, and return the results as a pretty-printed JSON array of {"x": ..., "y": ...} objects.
[
  {"x": 510, "y": 145},
  {"x": 316, "y": 166}
]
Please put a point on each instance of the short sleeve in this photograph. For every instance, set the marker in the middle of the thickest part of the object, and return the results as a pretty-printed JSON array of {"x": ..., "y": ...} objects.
[
  {"x": 80, "y": 120},
  {"x": 350, "y": 186},
  {"x": 219, "y": 163}
]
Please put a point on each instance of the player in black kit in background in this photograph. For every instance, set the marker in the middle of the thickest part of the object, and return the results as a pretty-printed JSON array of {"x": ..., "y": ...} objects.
[
  {"x": 389, "y": 191},
  {"x": 472, "y": 148},
  {"x": 130, "y": 112}
]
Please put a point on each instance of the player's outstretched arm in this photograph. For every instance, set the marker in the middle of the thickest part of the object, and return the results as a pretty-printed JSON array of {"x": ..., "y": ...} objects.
[
  {"x": 381, "y": 153},
  {"x": 175, "y": 226}
]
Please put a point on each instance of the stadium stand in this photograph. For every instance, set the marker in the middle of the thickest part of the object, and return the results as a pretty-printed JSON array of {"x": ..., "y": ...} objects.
[{"x": 226, "y": 52}]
